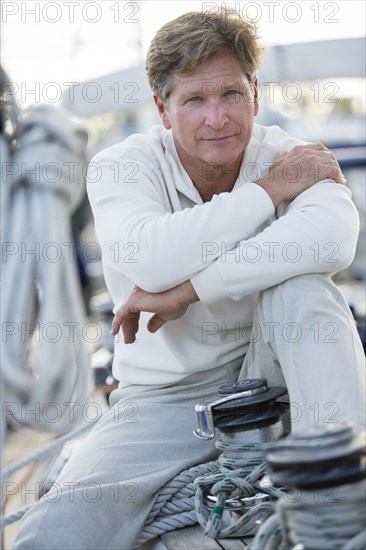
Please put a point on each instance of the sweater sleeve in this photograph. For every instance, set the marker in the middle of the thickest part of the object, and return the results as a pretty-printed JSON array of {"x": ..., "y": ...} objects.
[
  {"x": 317, "y": 233},
  {"x": 154, "y": 247}
]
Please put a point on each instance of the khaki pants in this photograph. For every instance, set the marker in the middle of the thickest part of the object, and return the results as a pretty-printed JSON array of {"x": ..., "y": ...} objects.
[{"x": 303, "y": 336}]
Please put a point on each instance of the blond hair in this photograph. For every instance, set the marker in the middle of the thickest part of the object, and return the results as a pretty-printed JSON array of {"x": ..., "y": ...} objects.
[{"x": 184, "y": 43}]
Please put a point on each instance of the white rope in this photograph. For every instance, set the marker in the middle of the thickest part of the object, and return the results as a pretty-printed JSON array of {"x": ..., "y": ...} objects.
[
  {"x": 325, "y": 520},
  {"x": 15, "y": 516},
  {"x": 170, "y": 523},
  {"x": 42, "y": 372},
  {"x": 179, "y": 502},
  {"x": 174, "y": 506},
  {"x": 269, "y": 535},
  {"x": 241, "y": 468}
]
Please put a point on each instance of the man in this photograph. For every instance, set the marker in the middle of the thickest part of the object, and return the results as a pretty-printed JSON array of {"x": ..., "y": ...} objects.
[{"x": 219, "y": 211}]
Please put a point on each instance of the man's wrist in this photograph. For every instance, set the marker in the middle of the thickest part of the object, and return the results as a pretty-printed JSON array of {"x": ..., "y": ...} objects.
[
  {"x": 185, "y": 293},
  {"x": 271, "y": 189}
]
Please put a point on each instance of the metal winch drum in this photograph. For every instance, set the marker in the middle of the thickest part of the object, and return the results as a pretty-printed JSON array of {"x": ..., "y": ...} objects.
[
  {"x": 323, "y": 474},
  {"x": 246, "y": 411},
  {"x": 323, "y": 456}
]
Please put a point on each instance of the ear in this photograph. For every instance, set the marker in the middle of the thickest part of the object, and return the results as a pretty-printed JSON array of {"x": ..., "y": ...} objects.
[
  {"x": 255, "y": 97},
  {"x": 161, "y": 106}
]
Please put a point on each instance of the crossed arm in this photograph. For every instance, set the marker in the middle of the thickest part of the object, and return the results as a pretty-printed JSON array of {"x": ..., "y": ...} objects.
[{"x": 312, "y": 163}]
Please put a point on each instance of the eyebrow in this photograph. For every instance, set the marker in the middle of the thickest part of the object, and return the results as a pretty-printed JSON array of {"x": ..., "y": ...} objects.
[
  {"x": 192, "y": 93},
  {"x": 222, "y": 87}
]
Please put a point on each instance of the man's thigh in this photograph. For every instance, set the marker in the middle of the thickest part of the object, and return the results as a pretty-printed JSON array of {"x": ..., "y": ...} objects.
[{"x": 107, "y": 489}]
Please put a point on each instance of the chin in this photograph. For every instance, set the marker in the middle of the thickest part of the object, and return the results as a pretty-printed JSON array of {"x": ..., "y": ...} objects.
[
  {"x": 229, "y": 155},
  {"x": 218, "y": 159}
]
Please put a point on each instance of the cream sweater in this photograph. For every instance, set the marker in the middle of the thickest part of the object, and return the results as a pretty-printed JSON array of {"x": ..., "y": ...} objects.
[{"x": 156, "y": 232}]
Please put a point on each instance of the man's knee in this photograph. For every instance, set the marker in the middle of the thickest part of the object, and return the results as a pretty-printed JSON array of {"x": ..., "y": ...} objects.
[
  {"x": 303, "y": 299},
  {"x": 311, "y": 291}
]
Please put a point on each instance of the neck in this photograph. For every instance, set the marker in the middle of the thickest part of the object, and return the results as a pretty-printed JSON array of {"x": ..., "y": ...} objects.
[
  {"x": 210, "y": 179},
  {"x": 213, "y": 179}
]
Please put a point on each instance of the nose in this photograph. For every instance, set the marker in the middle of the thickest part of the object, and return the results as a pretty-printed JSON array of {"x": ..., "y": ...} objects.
[{"x": 216, "y": 115}]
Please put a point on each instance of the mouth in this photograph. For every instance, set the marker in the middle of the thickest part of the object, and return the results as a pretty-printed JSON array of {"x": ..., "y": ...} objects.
[{"x": 219, "y": 139}]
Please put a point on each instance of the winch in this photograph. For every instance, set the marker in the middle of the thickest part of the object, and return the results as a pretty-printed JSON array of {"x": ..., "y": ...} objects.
[
  {"x": 322, "y": 472},
  {"x": 323, "y": 456},
  {"x": 247, "y": 415},
  {"x": 244, "y": 405}
]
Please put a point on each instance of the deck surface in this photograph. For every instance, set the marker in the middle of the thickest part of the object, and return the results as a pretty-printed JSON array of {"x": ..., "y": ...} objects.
[{"x": 192, "y": 538}]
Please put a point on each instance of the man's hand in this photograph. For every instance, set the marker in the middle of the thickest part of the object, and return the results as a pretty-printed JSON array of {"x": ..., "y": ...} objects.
[
  {"x": 295, "y": 171},
  {"x": 166, "y": 306}
]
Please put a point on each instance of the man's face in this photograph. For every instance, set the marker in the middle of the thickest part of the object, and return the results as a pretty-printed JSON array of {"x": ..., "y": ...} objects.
[{"x": 211, "y": 112}]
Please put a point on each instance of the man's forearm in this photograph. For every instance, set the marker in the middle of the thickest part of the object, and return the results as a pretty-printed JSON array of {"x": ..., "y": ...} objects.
[
  {"x": 166, "y": 306},
  {"x": 186, "y": 293},
  {"x": 318, "y": 234},
  {"x": 160, "y": 250}
]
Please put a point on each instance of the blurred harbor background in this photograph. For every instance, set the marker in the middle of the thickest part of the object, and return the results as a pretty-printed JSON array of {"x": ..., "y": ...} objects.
[{"x": 87, "y": 58}]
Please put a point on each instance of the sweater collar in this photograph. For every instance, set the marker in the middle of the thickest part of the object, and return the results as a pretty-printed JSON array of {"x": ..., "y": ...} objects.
[{"x": 183, "y": 183}]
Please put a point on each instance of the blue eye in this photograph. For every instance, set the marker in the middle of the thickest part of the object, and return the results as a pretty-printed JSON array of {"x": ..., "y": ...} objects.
[
  {"x": 231, "y": 95},
  {"x": 196, "y": 98}
]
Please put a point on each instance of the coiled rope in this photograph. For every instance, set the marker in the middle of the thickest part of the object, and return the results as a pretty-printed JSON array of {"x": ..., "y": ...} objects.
[
  {"x": 326, "y": 519},
  {"x": 174, "y": 506},
  {"x": 241, "y": 468},
  {"x": 44, "y": 358},
  {"x": 329, "y": 519}
]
